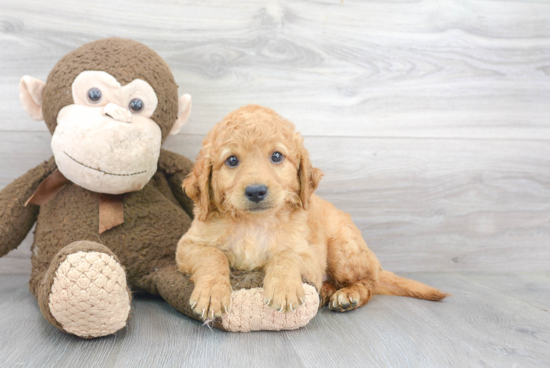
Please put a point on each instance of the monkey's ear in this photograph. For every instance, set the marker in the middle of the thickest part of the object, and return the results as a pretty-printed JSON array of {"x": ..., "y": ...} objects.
[
  {"x": 184, "y": 110},
  {"x": 30, "y": 95}
]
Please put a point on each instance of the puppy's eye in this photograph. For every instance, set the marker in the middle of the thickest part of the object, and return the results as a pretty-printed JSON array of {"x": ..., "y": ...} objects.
[
  {"x": 277, "y": 157},
  {"x": 94, "y": 95},
  {"x": 232, "y": 161}
]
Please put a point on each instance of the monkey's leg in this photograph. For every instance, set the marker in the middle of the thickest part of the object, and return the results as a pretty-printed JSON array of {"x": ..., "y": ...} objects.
[
  {"x": 84, "y": 291},
  {"x": 248, "y": 311}
]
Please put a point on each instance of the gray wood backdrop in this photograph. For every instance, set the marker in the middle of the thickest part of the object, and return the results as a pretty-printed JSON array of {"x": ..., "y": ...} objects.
[{"x": 431, "y": 119}]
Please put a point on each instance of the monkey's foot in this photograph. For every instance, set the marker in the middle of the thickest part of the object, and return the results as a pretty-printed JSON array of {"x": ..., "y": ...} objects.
[
  {"x": 89, "y": 295},
  {"x": 249, "y": 312}
]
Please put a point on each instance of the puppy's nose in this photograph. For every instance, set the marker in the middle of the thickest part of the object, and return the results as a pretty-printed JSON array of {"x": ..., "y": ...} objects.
[{"x": 256, "y": 193}]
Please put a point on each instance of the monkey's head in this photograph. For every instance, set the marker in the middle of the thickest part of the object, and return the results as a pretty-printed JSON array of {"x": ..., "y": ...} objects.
[{"x": 109, "y": 106}]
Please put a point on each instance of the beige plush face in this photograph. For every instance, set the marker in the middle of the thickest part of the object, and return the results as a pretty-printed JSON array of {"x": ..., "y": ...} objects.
[{"x": 106, "y": 141}]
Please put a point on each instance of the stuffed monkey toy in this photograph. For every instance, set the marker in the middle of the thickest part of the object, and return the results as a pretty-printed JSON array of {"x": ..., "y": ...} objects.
[{"x": 109, "y": 205}]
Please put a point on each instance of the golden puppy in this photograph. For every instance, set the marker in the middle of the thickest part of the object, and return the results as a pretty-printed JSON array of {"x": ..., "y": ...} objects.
[{"x": 253, "y": 187}]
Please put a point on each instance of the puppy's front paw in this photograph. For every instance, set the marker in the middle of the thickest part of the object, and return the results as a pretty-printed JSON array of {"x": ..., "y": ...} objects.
[
  {"x": 283, "y": 294},
  {"x": 211, "y": 300}
]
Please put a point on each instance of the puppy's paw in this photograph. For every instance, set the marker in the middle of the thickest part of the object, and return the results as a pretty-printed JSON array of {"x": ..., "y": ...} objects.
[
  {"x": 211, "y": 300},
  {"x": 283, "y": 294},
  {"x": 343, "y": 300},
  {"x": 326, "y": 292}
]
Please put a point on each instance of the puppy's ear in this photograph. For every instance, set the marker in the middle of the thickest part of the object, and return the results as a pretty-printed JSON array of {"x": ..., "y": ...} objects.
[
  {"x": 197, "y": 187},
  {"x": 309, "y": 177}
]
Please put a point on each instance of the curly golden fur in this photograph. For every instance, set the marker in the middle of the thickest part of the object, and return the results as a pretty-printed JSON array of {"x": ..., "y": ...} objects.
[{"x": 291, "y": 233}]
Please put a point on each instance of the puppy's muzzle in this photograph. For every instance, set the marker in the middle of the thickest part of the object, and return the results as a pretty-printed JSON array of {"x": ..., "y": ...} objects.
[{"x": 255, "y": 193}]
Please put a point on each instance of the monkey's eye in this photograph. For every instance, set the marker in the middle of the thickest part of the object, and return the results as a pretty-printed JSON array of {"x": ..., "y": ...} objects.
[
  {"x": 94, "y": 95},
  {"x": 232, "y": 161},
  {"x": 136, "y": 105},
  {"x": 277, "y": 157}
]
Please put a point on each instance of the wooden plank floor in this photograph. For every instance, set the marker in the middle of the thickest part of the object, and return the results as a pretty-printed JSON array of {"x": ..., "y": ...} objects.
[{"x": 497, "y": 320}]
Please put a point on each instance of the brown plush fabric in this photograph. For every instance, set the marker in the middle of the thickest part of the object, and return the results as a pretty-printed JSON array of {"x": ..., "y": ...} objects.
[
  {"x": 176, "y": 168},
  {"x": 153, "y": 223},
  {"x": 16, "y": 220},
  {"x": 125, "y": 60}
]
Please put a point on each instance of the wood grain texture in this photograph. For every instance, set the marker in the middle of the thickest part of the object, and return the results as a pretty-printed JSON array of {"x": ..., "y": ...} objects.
[
  {"x": 479, "y": 326},
  {"x": 371, "y": 68},
  {"x": 430, "y": 118},
  {"x": 474, "y": 205}
]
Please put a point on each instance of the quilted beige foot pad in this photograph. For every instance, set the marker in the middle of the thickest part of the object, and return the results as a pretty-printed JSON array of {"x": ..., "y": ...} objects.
[
  {"x": 89, "y": 296},
  {"x": 250, "y": 313}
]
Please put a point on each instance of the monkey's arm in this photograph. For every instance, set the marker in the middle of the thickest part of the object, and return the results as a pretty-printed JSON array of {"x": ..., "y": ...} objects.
[
  {"x": 16, "y": 220},
  {"x": 176, "y": 167}
]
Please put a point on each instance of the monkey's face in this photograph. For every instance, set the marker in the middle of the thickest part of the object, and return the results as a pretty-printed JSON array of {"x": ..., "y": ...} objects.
[
  {"x": 106, "y": 141},
  {"x": 109, "y": 105}
]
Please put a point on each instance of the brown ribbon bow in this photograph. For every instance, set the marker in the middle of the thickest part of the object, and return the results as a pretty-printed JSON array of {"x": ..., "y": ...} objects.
[{"x": 111, "y": 207}]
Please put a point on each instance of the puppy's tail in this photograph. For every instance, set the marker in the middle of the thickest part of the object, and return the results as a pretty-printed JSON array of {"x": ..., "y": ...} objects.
[{"x": 391, "y": 284}]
